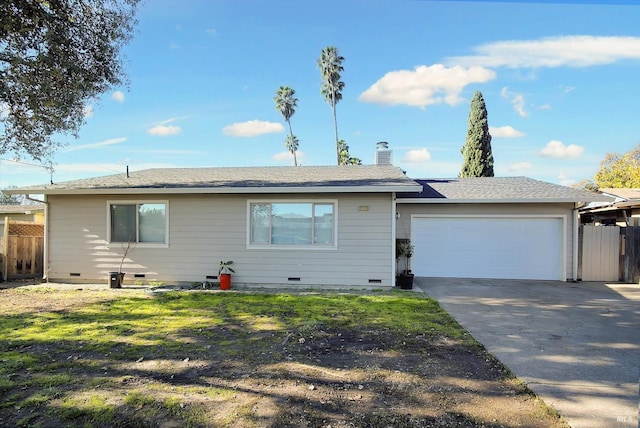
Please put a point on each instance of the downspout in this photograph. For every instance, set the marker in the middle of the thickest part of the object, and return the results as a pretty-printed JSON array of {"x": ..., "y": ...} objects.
[
  {"x": 45, "y": 253},
  {"x": 576, "y": 248},
  {"x": 394, "y": 221}
]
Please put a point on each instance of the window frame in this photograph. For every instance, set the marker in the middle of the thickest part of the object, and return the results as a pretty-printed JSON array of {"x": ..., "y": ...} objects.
[
  {"x": 137, "y": 203},
  {"x": 312, "y": 202}
]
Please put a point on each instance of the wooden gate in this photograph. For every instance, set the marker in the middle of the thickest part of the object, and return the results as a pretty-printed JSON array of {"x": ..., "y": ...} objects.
[
  {"x": 600, "y": 253},
  {"x": 631, "y": 257},
  {"x": 23, "y": 250}
]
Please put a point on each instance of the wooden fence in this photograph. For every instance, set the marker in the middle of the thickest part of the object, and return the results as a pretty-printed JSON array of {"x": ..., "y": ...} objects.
[
  {"x": 600, "y": 255},
  {"x": 22, "y": 247},
  {"x": 609, "y": 253}
]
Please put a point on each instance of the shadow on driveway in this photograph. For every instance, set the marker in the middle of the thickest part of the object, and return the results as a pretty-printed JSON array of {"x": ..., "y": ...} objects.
[{"x": 576, "y": 345}]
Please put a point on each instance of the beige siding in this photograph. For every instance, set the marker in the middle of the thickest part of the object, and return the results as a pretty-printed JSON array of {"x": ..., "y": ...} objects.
[
  {"x": 204, "y": 229},
  {"x": 406, "y": 210}
]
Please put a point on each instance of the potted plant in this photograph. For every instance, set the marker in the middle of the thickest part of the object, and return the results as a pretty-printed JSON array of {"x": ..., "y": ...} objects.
[
  {"x": 117, "y": 278},
  {"x": 224, "y": 274},
  {"x": 405, "y": 278}
]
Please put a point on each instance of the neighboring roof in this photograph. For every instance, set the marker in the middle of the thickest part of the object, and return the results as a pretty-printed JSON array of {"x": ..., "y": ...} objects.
[
  {"x": 625, "y": 198},
  {"x": 622, "y": 193},
  {"x": 289, "y": 179},
  {"x": 496, "y": 190},
  {"x": 21, "y": 209}
]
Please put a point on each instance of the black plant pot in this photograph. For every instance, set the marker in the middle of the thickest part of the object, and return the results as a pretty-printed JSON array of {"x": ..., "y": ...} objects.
[
  {"x": 405, "y": 281},
  {"x": 116, "y": 279}
]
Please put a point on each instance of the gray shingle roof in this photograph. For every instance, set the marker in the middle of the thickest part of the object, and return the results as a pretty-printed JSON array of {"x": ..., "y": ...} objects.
[
  {"x": 497, "y": 189},
  {"x": 369, "y": 178}
]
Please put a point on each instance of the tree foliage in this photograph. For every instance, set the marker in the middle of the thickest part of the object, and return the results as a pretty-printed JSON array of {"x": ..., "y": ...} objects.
[
  {"x": 286, "y": 104},
  {"x": 292, "y": 144},
  {"x": 586, "y": 185},
  {"x": 55, "y": 57},
  {"x": 345, "y": 156},
  {"x": 619, "y": 171},
  {"x": 330, "y": 65},
  {"x": 476, "y": 152},
  {"x": 6, "y": 199}
]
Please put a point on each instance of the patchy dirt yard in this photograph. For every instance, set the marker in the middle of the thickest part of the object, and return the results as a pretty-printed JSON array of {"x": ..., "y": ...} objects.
[{"x": 129, "y": 358}]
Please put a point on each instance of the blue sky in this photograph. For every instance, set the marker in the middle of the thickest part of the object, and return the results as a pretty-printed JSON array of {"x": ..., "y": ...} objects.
[{"x": 561, "y": 82}]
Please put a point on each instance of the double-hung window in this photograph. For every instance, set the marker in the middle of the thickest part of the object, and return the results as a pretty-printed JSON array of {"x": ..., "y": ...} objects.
[
  {"x": 136, "y": 222},
  {"x": 310, "y": 224}
]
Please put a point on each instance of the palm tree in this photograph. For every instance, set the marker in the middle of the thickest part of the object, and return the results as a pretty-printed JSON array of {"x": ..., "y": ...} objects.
[
  {"x": 330, "y": 64},
  {"x": 291, "y": 143},
  {"x": 345, "y": 156},
  {"x": 286, "y": 104}
]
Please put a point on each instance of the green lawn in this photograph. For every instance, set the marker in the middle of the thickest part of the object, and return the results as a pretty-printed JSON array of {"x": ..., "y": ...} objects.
[{"x": 101, "y": 358}]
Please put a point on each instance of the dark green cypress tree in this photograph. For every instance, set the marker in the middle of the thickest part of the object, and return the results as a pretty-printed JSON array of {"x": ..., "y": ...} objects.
[{"x": 476, "y": 152}]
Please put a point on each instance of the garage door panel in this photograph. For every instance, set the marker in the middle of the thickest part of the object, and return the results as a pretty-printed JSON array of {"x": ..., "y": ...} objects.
[{"x": 481, "y": 247}]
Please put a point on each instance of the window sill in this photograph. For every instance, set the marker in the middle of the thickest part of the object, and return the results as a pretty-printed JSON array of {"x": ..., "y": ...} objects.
[
  {"x": 134, "y": 245},
  {"x": 293, "y": 247}
]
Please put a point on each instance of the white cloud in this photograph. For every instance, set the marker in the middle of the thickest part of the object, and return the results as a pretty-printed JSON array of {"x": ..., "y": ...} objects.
[
  {"x": 417, "y": 156},
  {"x": 252, "y": 128},
  {"x": 174, "y": 46},
  {"x": 108, "y": 142},
  {"x": 564, "y": 180},
  {"x": 287, "y": 156},
  {"x": 164, "y": 130},
  {"x": 505, "y": 132},
  {"x": 118, "y": 96},
  {"x": 520, "y": 166},
  {"x": 211, "y": 31},
  {"x": 87, "y": 111},
  {"x": 557, "y": 149},
  {"x": 518, "y": 105},
  {"x": 561, "y": 51},
  {"x": 425, "y": 85},
  {"x": 517, "y": 100}
]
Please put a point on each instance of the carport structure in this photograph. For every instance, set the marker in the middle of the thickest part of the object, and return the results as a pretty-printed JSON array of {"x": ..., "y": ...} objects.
[{"x": 492, "y": 227}]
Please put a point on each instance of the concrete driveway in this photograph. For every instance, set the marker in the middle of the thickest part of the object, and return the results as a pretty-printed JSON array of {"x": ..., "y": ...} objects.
[{"x": 576, "y": 345}]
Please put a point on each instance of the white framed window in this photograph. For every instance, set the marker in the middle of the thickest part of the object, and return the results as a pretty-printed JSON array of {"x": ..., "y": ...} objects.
[
  {"x": 297, "y": 224},
  {"x": 139, "y": 222}
]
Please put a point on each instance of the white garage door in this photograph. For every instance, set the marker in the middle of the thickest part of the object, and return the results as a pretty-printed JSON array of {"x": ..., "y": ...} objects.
[{"x": 488, "y": 247}]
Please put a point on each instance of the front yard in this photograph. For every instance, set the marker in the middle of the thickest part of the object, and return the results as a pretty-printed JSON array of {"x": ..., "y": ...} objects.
[{"x": 248, "y": 359}]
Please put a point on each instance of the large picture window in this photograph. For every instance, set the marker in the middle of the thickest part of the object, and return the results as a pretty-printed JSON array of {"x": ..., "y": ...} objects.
[
  {"x": 292, "y": 223},
  {"x": 138, "y": 222}
]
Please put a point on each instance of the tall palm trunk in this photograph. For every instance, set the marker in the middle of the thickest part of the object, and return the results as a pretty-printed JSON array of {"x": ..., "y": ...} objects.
[
  {"x": 335, "y": 128},
  {"x": 295, "y": 160}
]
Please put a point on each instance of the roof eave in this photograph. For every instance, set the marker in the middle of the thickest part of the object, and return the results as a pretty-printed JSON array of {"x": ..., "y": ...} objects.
[
  {"x": 398, "y": 188},
  {"x": 491, "y": 201}
]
